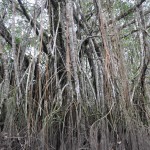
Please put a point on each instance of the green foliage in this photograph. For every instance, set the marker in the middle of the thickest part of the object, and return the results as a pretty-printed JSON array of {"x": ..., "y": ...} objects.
[{"x": 18, "y": 40}]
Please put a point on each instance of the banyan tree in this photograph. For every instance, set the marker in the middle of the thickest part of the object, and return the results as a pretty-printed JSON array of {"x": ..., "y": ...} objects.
[{"x": 75, "y": 74}]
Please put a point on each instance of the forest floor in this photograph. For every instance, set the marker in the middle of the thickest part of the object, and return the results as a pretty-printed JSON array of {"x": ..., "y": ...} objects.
[{"x": 9, "y": 143}]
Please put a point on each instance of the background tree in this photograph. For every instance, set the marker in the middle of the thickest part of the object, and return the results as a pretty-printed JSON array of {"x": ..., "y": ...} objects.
[{"x": 74, "y": 74}]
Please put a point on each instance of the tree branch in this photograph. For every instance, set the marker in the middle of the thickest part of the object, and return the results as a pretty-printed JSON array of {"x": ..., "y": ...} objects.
[
  {"x": 33, "y": 25},
  {"x": 7, "y": 36},
  {"x": 128, "y": 12}
]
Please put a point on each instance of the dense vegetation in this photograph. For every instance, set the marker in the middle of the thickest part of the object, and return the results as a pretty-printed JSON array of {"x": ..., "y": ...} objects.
[{"x": 75, "y": 74}]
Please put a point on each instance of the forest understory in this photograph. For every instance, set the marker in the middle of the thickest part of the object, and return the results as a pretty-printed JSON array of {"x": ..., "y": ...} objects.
[{"x": 74, "y": 75}]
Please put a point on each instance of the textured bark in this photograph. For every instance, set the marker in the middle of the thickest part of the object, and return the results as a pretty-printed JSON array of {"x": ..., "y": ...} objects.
[
  {"x": 73, "y": 46},
  {"x": 87, "y": 84}
]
